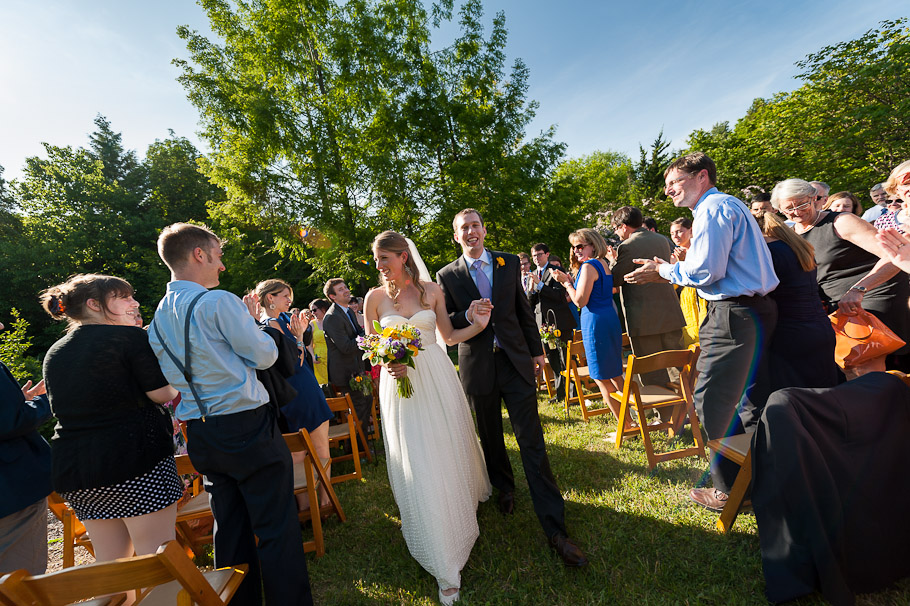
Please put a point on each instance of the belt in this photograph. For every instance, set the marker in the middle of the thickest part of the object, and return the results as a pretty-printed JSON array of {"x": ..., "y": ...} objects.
[{"x": 744, "y": 299}]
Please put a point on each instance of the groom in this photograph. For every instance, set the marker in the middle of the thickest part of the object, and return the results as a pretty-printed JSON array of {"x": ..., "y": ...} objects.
[{"x": 499, "y": 364}]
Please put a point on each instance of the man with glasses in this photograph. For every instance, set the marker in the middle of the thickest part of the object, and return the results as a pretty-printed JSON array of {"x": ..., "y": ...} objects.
[
  {"x": 821, "y": 193},
  {"x": 730, "y": 266},
  {"x": 548, "y": 300},
  {"x": 880, "y": 197}
]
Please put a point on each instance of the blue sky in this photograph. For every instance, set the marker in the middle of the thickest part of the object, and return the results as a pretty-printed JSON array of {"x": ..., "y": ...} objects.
[{"x": 608, "y": 74}]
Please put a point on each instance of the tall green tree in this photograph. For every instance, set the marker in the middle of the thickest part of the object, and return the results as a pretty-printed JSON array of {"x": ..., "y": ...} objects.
[{"x": 337, "y": 118}]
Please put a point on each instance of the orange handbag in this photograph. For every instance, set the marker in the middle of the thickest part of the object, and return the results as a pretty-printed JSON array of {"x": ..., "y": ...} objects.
[{"x": 861, "y": 338}]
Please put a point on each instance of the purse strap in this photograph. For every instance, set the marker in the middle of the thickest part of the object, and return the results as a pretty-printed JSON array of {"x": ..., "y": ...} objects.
[{"x": 184, "y": 367}]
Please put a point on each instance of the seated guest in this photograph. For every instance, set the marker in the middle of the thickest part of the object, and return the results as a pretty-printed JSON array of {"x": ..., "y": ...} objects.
[
  {"x": 25, "y": 476},
  {"x": 843, "y": 202},
  {"x": 830, "y": 489},
  {"x": 801, "y": 353},
  {"x": 112, "y": 450}
]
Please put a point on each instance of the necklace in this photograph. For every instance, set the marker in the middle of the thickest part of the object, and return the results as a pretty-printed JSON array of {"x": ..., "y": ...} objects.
[{"x": 818, "y": 215}]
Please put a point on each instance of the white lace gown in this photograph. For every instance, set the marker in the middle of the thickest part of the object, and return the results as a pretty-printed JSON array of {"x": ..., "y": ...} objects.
[{"x": 436, "y": 467}]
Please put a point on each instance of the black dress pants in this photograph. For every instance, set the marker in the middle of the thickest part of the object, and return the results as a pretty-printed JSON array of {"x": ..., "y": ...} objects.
[
  {"x": 250, "y": 480},
  {"x": 732, "y": 386},
  {"x": 520, "y": 399}
]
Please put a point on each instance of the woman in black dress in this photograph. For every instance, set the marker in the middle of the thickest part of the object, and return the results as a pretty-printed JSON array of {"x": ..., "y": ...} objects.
[
  {"x": 801, "y": 353},
  {"x": 852, "y": 273},
  {"x": 112, "y": 451}
]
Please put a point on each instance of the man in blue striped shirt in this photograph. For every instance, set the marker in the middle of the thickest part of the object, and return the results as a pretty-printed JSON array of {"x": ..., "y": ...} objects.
[
  {"x": 730, "y": 266},
  {"x": 232, "y": 431}
]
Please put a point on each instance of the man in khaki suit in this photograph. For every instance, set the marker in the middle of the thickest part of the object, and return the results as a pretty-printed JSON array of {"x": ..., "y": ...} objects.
[{"x": 654, "y": 320}]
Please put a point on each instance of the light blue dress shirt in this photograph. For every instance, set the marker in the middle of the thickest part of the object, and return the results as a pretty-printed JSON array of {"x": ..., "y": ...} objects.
[
  {"x": 226, "y": 349},
  {"x": 486, "y": 267},
  {"x": 728, "y": 256},
  {"x": 874, "y": 213}
]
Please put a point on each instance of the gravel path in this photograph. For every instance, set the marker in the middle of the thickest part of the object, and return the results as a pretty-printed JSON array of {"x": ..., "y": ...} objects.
[{"x": 55, "y": 546}]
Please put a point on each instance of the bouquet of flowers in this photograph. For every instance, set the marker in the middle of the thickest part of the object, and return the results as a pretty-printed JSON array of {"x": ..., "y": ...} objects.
[
  {"x": 393, "y": 344},
  {"x": 550, "y": 334},
  {"x": 361, "y": 383}
]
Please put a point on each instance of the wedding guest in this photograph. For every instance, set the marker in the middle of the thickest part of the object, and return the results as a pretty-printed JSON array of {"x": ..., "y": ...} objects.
[
  {"x": 524, "y": 263},
  {"x": 894, "y": 218},
  {"x": 548, "y": 300},
  {"x": 693, "y": 307},
  {"x": 233, "y": 436},
  {"x": 112, "y": 450},
  {"x": 308, "y": 409},
  {"x": 880, "y": 197},
  {"x": 893, "y": 239},
  {"x": 592, "y": 291},
  {"x": 653, "y": 317},
  {"x": 650, "y": 224},
  {"x": 342, "y": 328},
  {"x": 851, "y": 274},
  {"x": 731, "y": 267},
  {"x": 761, "y": 203},
  {"x": 843, "y": 202},
  {"x": 801, "y": 353},
  {"x": 318, "y": 307},
  {"x": 821, "y": 193},
  {"x": 25, "y": 476}
]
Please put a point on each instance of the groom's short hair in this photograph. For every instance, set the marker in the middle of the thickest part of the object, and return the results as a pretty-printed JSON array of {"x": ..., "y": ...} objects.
[{"x": 467, "y": 211}]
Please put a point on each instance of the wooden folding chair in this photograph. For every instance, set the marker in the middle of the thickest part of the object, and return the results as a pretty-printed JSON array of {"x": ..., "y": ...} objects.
[
  {"x": 586, "y": 390},
  {"x": 308, "y": 476},
  {"x": 166, "y": 577},
  {"x": 650, "y": 397},
  {"x": 347, "y": 431},
  {"x": 74, "y": 533},
  {"x": 192, "y": 511},
  {"x": 738, "y": 449},
  {"x": 374, "y": 434}
]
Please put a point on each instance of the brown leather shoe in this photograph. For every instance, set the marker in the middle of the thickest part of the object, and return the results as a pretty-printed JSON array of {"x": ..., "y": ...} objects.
[
  {"x": 506, "y": 503},
  {"x": 571, "y": 555},
  {"x": 709, "y": 498}
]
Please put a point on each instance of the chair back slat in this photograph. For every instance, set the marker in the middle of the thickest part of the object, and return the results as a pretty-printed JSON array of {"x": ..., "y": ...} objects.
[{"x": 658, "y": 361}]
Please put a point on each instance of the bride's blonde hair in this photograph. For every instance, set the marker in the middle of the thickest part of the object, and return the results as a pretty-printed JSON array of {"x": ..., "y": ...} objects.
[{"x": 394, "y": 242}]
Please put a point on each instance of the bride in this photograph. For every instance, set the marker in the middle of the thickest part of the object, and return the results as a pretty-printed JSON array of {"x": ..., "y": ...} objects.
[{"x": 435, "y": 464}]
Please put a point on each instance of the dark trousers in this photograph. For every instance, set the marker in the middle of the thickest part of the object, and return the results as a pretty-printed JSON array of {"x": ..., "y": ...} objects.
[
  {"x": 250, "y": 480},
  {"x": 733, "y": 382},
  {"x": 521, "y": 402}
]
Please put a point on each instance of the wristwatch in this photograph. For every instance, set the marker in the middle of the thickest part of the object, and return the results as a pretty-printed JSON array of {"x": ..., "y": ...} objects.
[{"x": 861, "y": 289}]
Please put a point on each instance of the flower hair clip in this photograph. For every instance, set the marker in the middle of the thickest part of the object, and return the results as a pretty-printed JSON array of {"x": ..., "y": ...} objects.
[{"x": 60, "y": 309}]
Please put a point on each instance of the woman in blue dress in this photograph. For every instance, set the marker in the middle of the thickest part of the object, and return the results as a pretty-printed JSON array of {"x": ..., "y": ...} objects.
[
  {"x": 309, "y": 409},
  {"x": 592, "y": 291}
]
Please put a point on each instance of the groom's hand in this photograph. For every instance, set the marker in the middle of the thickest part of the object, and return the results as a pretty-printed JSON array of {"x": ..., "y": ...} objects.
[{"x": 539, "y": 361}]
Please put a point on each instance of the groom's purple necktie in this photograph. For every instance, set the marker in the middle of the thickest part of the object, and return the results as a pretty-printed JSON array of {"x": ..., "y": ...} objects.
[{"x": 483, "y": 283}]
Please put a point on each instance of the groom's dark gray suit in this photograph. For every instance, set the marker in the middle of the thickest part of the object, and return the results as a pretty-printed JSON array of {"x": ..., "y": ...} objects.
[{"x": 491, "y": 375}]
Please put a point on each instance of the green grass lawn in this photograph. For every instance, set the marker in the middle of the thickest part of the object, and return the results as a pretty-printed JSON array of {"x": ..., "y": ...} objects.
[{"x": 646, "y": 543}]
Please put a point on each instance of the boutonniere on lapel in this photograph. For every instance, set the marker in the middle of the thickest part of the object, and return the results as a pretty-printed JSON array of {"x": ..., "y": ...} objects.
[{"x": 500, "y": 261}]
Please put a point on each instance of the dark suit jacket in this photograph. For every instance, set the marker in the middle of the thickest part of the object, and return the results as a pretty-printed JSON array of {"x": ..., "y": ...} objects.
[
  {"x": 552, "y": 297},
  {"x": 345, "y": 359},
  {"x": 649, "y": 309},
  {"x": 512, "y": 321},
  {"x": 25, "y": 458}
]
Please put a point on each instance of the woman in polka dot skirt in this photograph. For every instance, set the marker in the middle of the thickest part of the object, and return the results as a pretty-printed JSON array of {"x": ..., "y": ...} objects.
[{"x": 112, "y": 451}]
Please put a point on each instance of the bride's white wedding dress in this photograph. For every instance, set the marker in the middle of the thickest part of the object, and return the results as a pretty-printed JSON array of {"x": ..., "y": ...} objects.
[{"x": 436, "y": 467}]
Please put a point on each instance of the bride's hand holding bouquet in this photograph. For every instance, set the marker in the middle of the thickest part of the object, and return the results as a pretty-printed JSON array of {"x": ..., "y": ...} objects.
[{"x": 395, "y": 347}]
